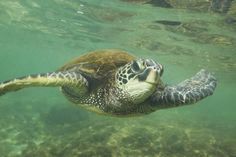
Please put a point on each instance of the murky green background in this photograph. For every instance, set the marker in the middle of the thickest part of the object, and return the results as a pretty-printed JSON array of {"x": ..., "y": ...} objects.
[{"x": 39, "y": 36}]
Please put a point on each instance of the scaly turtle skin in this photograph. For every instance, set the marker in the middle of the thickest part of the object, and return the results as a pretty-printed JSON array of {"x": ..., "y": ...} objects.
[{"x": 116, "y": 83}]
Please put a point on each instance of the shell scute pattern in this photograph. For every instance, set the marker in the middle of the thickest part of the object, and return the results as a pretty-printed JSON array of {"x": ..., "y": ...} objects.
[{"x": 98, "y": 64}]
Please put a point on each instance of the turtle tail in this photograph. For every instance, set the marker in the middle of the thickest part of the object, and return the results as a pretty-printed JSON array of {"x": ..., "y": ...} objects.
[
  {"x": 53, "y": 79},
  {"x": 189, "y": 91}
]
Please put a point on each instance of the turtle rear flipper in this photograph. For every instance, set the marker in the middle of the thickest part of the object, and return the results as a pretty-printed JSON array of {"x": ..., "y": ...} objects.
[
  {"x": 189, "y": 91},
  {"x": 54, "y": 79}
]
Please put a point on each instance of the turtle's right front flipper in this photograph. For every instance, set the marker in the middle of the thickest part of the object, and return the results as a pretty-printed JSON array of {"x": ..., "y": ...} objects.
[{"x": 69, "y": 79}]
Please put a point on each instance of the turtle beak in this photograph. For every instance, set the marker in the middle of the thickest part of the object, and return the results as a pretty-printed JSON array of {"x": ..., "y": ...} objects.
[
  {"x": 153, "y": 77},
  {"x": 150, "y": 75},
  {"x": 155, "y": 65},
  {"x": 152, "y": 72}
]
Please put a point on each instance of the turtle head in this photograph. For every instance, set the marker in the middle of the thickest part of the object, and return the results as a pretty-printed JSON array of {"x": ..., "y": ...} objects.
[{"x": 139, "y": 78}]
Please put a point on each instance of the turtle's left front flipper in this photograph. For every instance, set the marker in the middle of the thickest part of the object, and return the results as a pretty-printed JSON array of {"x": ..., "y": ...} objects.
[
  {"x": 73, "y": 80},
  {"x": 189, "y": 91}
]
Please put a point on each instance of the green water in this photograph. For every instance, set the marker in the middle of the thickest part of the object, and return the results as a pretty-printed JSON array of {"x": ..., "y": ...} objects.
[{"x": 39, "y": 36}]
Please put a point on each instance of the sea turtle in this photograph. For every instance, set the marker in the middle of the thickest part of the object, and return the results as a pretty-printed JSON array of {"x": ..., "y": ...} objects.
[{"x": 115, "y": 82}]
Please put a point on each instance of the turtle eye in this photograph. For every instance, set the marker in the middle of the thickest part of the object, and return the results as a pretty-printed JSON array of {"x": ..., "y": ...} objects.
[{"x": 135, "y": 66}]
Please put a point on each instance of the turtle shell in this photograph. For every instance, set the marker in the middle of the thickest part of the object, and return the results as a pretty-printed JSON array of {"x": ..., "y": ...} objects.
[{"x": 97, "y": 64}]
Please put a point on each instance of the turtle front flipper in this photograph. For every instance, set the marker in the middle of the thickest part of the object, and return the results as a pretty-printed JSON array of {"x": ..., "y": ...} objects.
[
  {"x": 189, "y": 91},
  {"x": 73, "y": 80}
]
